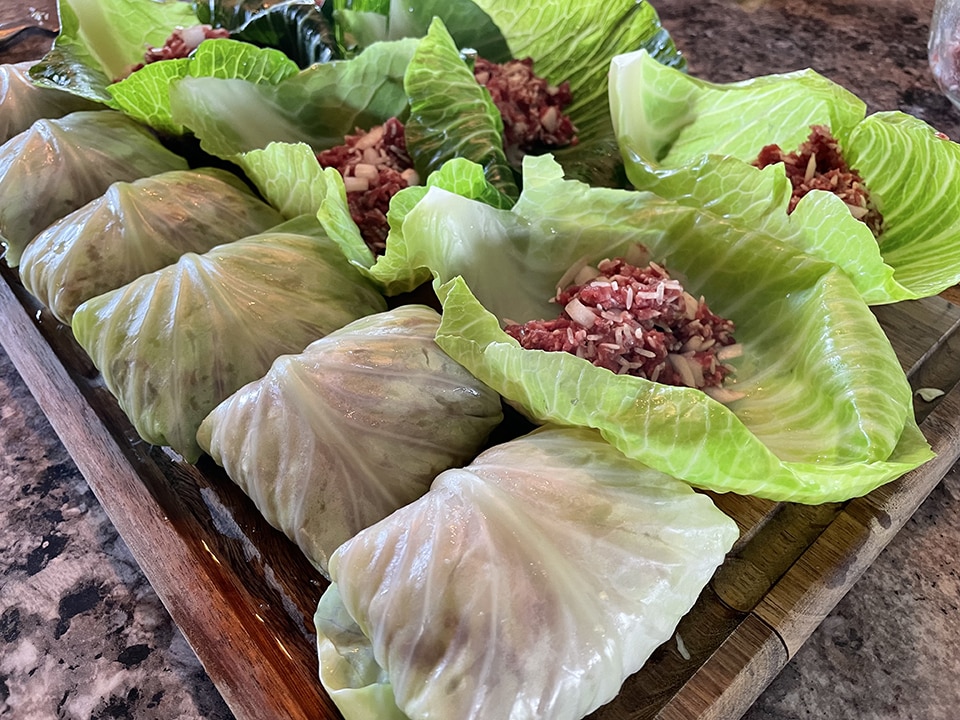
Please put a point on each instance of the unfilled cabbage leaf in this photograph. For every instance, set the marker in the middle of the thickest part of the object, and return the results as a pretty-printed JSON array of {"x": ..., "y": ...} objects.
[
  {"x": 136, "y": 228},
  {"x": 529, "y": 584},
  {"x": 336, "y": 438},
  {"x": 826, "y": 411},
  {"x": 24, "y": 103},
  {"x": 173, "y": 344},
  {"x": 62, "y": 164},
  {"x": 693, "y": 141}
]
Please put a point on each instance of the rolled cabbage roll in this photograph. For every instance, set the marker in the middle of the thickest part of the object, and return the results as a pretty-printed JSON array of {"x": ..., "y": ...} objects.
[
  {"x": 57, "y": 166},
  {"x": 356, "y": 426},
  {"x": 173, "y": 344},
  {"x": 135, "y": 228},
  {"x": 22, "y": 103},
  {"x": 526, "y": 585}
]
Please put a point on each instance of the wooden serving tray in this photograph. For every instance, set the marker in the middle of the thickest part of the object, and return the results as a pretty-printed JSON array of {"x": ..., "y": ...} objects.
[{"x": 244, "y": 596}]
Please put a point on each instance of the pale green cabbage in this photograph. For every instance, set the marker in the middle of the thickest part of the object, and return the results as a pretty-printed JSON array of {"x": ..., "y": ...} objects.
[
  {"x": 335, "y": 438},
  {"x": 135, "y": 228},
  {"x": 528, "y": 584},
  {"x": 24, "y": 103},
  {"x": 825, "y": 412},
  {"x": 693, "y": 141},
  {"x": 60, "y": 165},
  {"x": 173, "y": 344}
]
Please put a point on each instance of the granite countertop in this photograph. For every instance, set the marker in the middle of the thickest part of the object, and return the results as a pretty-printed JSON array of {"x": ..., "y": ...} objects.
[{"x": 83, "y": 635}]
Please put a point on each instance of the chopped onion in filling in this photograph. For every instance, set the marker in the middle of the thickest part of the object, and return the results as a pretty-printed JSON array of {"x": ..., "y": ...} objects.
[
  {"x": 637, "y": 321},
  {"x": 818, "y": 164}
]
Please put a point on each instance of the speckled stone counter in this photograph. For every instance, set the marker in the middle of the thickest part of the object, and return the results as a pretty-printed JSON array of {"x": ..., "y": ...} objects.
[{"x": 82, "y": 635}]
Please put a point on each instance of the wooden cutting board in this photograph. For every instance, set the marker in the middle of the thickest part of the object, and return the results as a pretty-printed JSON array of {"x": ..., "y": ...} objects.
[{"x": 244, "y": 596}]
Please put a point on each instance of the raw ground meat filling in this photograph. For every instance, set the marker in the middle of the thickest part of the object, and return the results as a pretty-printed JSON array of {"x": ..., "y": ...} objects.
[
  {"x": 532, "y": 109},
  {"x": 638, "y": 321},
  {"x": 375, "y": 166},
  {"x": 819, "y": 165}
]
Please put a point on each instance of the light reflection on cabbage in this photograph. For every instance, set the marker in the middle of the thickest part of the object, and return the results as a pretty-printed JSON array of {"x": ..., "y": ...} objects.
[
  {"x": 136, "y": 228},
  {"x": 24, "y": 103},
  {"x": 173, "y": 344},
  {"x": 337, "y": 437},
  {"x": 60, "y": 165},
  {"x": 528, "y": 584}
]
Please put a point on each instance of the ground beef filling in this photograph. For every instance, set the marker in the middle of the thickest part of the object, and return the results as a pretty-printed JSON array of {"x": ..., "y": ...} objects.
[
  {"x": 637, "y": 321},
  {"x": 375, "y": 166},
  {"x": 819, "y": 165},
  {"x": 532, "y": 109}
]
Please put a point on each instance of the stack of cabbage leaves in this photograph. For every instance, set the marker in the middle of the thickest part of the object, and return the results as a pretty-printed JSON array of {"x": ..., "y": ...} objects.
[{"x": 578, "y": 542}]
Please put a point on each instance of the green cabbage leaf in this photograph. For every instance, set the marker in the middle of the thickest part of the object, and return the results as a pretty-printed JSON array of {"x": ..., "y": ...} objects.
[
  {"x": 173, "y": 344},
  {"x": 551, "y": 545},
  {"x": 694, "y": 141},
  {"x": 822, "y": 410}
]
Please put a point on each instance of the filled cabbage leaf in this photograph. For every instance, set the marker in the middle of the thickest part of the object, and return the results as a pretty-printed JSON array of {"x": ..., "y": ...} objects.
[
  {"x": 100, "y": 40},
  {"x": 551, "y": 546},
  {"x": 61, "y": 164},
  {"x": 135, "y": 228},
  {"x": 173, "y": 344},
  {"x": 336, "y": 438},
  {"x": 233, "y": 112},
  {"x": 24, "y": 102},
  {"x": 694, "y": 142},
  {"x": 823, "y": 412}
]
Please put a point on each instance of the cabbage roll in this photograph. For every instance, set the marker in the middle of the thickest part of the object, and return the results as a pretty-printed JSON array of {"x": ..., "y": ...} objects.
[
  {"x": 526, "y": 585},
  {"x": 57, "y": 166},
  {"x": 22, "y": 103},
  {"x": 173, "y": 344},
  {"x": 357, "y": 425},
  {"x": 135, "y": 228}
]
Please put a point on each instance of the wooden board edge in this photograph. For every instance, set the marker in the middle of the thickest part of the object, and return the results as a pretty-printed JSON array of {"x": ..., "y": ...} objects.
[
  {"x": 850, "y": 544},
  {"x": 732, "y": 678},
  {"x": 171, "y": 563}
]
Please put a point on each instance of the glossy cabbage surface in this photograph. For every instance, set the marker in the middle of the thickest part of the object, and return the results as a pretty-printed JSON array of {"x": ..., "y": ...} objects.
[
  {"x": 526, "y": 585},
  {"x": 337, "y": 437},
  {"x": 60, "y": 165},
  {"x": 135, "y": 228},
  {"x": 173, "y": 344}
]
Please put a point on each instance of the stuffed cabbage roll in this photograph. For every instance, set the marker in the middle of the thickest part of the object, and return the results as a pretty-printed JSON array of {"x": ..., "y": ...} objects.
[
  {"x": 357, "y": 425},
  {"x": 173, "y": 344},
  {"x": 57, "y": 166},
  {"x": 22, "y": 103},
  {"x": 135, "y": 228},
  {"x": 527, "y": 585}
]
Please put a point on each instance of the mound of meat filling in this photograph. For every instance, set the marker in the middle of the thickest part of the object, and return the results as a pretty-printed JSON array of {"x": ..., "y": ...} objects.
[
  {"x": 818, "y": 164},
  {"x": 531, "y": 108},
  {"x": 375, "y": 166},
  {"x": 637, "y": 321}
]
